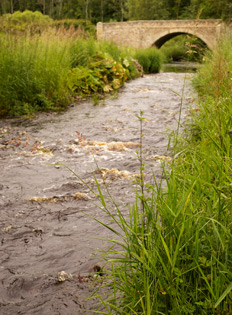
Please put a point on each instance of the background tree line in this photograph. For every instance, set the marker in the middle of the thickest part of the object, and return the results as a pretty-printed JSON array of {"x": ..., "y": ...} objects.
[{"x": 120, "y": 10}]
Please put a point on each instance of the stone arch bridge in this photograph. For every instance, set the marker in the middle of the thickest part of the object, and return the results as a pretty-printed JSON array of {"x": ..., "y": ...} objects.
[{"x": 143, "y": 34}]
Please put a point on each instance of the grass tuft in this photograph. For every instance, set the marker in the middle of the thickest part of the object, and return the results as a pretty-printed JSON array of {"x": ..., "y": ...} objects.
[{"x": 150, "y": 59}]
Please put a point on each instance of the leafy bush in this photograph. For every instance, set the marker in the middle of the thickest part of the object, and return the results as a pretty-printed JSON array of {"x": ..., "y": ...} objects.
[
  {"x": 36, "y": 21},
  {"x": 21, "y": 21},
  {"x": 100, "y": 66},
  {"x": 122, "y": 55}
]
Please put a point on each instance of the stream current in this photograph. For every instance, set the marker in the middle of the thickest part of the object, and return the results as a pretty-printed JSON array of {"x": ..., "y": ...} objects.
[{"x": 47, "y": 240}]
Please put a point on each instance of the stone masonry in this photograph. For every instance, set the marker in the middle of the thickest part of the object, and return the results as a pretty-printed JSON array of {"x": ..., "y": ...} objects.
[{"x": 143, "y": 34}]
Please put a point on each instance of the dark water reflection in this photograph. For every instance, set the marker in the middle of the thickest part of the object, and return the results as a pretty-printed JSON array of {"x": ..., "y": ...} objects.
[{"x": 181, "y": 67}]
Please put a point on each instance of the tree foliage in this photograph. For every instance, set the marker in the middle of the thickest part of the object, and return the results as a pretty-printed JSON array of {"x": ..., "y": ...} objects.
[{"x": 120, "y": 10}]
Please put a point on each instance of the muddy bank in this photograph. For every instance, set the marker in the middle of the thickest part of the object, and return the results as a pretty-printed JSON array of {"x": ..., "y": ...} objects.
[{"x": 44, "y": 227}]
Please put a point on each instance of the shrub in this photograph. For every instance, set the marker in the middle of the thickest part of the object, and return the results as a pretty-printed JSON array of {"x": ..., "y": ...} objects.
[
  {"x": 100, "y": 66},
  {"x": 102, "y": 75},
  {"x": 149, "y": 59},
  {"x": 22, "y": 21}
]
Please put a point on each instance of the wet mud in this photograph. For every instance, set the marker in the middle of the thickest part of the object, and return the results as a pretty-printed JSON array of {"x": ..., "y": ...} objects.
[{"x": 49, "y": 243}]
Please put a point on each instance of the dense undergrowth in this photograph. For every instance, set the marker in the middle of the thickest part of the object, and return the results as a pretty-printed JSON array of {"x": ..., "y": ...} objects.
[
  {"x": 175, "y": 251},
  {"x": 36, "y": 22},
  {"x": 45, "y": 64}
]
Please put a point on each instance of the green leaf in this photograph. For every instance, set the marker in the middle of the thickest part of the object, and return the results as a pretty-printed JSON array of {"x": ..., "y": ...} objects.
[{"x": 224, "y": 294}]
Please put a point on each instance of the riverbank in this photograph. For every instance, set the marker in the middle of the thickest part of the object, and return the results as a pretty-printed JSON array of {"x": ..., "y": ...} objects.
[
  {"x": 176, "y": 248},
  {"x": 46, "y": 67}
]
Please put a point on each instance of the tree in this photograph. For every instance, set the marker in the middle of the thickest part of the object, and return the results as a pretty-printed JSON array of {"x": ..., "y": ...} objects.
[
  {"x": 148, "y": 9},
  {"x": 119, "y": 10},
  {"x": 4, "y": 6}
]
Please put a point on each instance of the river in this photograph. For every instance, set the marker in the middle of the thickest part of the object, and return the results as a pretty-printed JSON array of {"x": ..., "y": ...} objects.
[{"x": 44, "y": 226}]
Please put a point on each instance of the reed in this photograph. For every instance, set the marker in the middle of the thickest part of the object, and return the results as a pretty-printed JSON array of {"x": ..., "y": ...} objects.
[
  {"x": 33, "y": 72},
  {"x": 215, "y": 78}
]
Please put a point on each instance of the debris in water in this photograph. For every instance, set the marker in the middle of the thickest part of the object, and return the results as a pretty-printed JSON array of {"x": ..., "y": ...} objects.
[
  {"x": 55, "y": 199},
  {"x": 7, "y": 229},
  {"x": 110, "y": 146},
  {"x": 81, "y": 196},
  {"x": 114, "y": 173},
  {"x": 121, "y": 146},
  {"x": 48, "y": 199},
  {"x": 3, "y": 132},
  {"x": 62, "y": 276}
]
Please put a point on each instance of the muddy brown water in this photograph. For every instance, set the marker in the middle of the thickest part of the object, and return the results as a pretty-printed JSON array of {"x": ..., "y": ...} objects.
[{"x": 45, "y": 229}]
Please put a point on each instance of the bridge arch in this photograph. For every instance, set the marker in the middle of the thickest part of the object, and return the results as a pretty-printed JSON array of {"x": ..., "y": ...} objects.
[
  {"x": 164, "y": 38},
  {"x": 143, "y": 34}
]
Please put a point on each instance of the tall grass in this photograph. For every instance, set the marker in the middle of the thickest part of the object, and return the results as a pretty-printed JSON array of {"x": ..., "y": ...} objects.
[
  {"x": 33, "y": 72},
  {"x": 215, "y": 78},
  {"x": 150, "y": 59},
  {"x": 173, "y": 255}
]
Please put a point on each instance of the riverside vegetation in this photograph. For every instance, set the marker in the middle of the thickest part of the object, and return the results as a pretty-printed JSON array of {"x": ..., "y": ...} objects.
[
  {"x": 175, "y": 251},
  {"x": 45, "y": 65}
]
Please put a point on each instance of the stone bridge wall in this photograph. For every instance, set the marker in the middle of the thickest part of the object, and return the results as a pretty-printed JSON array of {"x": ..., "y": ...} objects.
[{"x": 142, "y": 34}]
